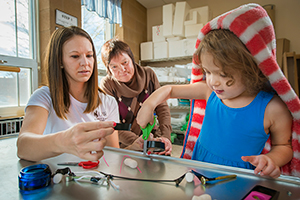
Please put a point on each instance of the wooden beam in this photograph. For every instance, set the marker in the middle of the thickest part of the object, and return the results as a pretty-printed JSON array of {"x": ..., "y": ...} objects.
[{"x": 10, "y": 69}]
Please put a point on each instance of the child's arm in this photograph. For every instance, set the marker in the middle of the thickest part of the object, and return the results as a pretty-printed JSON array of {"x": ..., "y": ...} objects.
[
  {"x": 279, "y": 121},
  {"x": 190, "y": 91}
]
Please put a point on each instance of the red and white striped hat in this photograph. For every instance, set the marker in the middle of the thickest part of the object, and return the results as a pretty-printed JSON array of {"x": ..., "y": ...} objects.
[{"x": 254, "y": 28}]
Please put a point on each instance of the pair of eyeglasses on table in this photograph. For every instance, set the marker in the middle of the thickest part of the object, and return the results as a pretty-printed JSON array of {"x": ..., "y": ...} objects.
[{"x": 83, "y": 164}]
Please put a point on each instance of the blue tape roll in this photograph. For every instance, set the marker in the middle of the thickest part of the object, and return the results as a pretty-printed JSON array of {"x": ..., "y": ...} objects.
[{"x": 34, "y": 177}]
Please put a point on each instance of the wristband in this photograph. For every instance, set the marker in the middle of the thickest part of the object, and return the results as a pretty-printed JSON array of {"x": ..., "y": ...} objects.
[{"x": 155, "y": 146}]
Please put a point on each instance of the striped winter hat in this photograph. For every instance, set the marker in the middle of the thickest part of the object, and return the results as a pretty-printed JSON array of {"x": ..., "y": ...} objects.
[{"x": 254, "y": 28}]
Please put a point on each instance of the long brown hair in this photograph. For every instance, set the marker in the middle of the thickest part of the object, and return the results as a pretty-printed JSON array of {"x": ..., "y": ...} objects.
[
  {"x": 112, "y": 48},
  {"x": 232, "y": 56},
  {"x": 57, "y": 81}
]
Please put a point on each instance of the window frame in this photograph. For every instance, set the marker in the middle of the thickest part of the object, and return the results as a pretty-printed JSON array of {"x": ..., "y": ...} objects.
[{"x": 32, "y": 64}]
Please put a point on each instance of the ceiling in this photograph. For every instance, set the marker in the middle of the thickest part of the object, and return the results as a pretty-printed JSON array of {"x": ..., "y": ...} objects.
[{"x": 155, "y": 3}]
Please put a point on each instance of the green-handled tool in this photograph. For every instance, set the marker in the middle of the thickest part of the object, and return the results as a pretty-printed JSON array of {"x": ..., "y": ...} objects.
[{"x": 146, "y": 132}]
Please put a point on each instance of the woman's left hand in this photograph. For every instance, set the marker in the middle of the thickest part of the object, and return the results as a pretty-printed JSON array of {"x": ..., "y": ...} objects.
[{"x": 168, "y": 146}]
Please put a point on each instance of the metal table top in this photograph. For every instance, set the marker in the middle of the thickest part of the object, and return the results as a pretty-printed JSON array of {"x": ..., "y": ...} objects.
[{"x": 152, "y": 167}]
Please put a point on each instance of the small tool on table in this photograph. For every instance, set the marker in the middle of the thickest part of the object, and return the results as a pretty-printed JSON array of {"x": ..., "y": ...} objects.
[
  {"x": 205, "y": 179},
  {"x": 146, "y": 132},
  {"x": 123, "y": 126},
  {"x": 83, "y": 164}
]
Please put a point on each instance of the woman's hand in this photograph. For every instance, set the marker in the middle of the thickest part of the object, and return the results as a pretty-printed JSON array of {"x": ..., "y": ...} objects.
[
  {"x": 85, "y": 140},
  {"x": 264, "y": 165},
  {"x": 137, "y": 145},
  {"x": 168, "y": 146}
]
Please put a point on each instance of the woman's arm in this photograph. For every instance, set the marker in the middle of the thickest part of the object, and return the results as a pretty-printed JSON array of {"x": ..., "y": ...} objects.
[
  {"x": 32, "y": 144},
  {"x": 79, "y": 140},
  {"x": 113, "y": 140}
]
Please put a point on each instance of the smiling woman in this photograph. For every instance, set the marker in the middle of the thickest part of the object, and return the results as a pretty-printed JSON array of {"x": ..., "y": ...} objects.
[
  {"x": 70, "y": 115},
  {"x": 131, "y": 85},
  {"x": 121, "y": 67}
]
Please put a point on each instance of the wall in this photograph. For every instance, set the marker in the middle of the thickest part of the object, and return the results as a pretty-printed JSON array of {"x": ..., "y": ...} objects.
[
  {"x": 47, "y": 24},
  {"x": 134, "y": 29},
  {"x": 287, "y": 16}
]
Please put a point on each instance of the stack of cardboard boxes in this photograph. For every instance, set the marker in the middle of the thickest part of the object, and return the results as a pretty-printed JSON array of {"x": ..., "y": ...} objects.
[{"x": 176, "y": 37}]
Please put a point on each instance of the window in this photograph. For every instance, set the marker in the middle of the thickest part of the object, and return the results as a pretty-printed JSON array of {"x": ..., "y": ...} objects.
[
  {"x": 17, "y": 50},
  {"x": 100, "y": 31},
  {"x": 17, "y": 90}
]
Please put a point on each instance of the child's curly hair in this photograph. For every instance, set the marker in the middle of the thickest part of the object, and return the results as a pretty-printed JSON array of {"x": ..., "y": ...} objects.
[{"x": 232, "y": 56}]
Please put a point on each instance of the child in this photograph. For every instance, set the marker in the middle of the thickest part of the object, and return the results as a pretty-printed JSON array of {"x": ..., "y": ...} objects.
[{"x": 242, "y": 111}]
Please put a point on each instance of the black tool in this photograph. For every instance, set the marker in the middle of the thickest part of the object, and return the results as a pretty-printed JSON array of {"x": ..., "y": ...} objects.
[
  {"x": 155, "y": 146},
  {"x": 123, "y": 126}
]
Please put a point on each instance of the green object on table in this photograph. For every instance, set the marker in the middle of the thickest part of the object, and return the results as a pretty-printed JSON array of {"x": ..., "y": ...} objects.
[
  {"x": 147, "y": 130},
  {"x": 184, "y": 127},
  {"x": 173, "y": 136}
]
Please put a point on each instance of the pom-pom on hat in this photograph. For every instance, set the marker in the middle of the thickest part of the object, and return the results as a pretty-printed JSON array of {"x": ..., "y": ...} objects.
[{"x": 252, "y": 25}]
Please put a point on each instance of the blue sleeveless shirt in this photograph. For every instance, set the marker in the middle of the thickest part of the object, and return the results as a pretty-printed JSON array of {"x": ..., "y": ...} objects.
[{"x": 227, "y": 133}]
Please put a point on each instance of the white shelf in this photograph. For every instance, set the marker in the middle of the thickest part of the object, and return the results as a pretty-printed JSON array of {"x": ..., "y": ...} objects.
[
  {"x": 173, "y": 83},
  {"x": 183, "y": 58},
  {"x": 182, "y": 108}
]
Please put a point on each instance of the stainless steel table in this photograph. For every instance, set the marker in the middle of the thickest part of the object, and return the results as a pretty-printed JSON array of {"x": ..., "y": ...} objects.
[{"x": 153, "y": 167}]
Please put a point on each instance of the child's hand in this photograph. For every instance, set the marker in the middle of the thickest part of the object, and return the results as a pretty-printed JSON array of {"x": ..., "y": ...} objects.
[
  {"x": 145, "y": 116},
  {"x": 264, "y": 164}
]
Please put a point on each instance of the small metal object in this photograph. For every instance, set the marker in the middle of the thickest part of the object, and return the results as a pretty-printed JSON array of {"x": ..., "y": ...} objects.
[
  {"x": 177, "y": 180},
  {"x": 83, "y": 164},
  {"x": 3, "y": 61},
  {"x": 205, "y": 179}
]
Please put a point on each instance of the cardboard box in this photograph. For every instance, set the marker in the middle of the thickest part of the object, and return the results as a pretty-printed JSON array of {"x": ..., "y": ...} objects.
[
  {"x": 160, "y": 50},
  {"x": 146, "y": 50},
  {"x": 176, "y": 48},
  {"x": 168, "y": 18},
  {"x": 194, "y": 18},
  {"x": 157, "y": 34},
  {"x": 174, "y": 38},
  {"x": 204, "y": 12},
  {"x": 282, "y": 45},
  {"x": 181, "y": 11},
  {"x": 189, "y": 46},
  {"x": 192, "y": 30}
]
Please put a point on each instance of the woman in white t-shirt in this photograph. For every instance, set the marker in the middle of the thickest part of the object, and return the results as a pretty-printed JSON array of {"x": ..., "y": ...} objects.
[{"x": 70, "y": 115}]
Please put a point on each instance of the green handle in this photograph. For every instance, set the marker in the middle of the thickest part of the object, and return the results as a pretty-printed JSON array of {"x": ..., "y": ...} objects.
[{"x": 147, "y": 130}]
